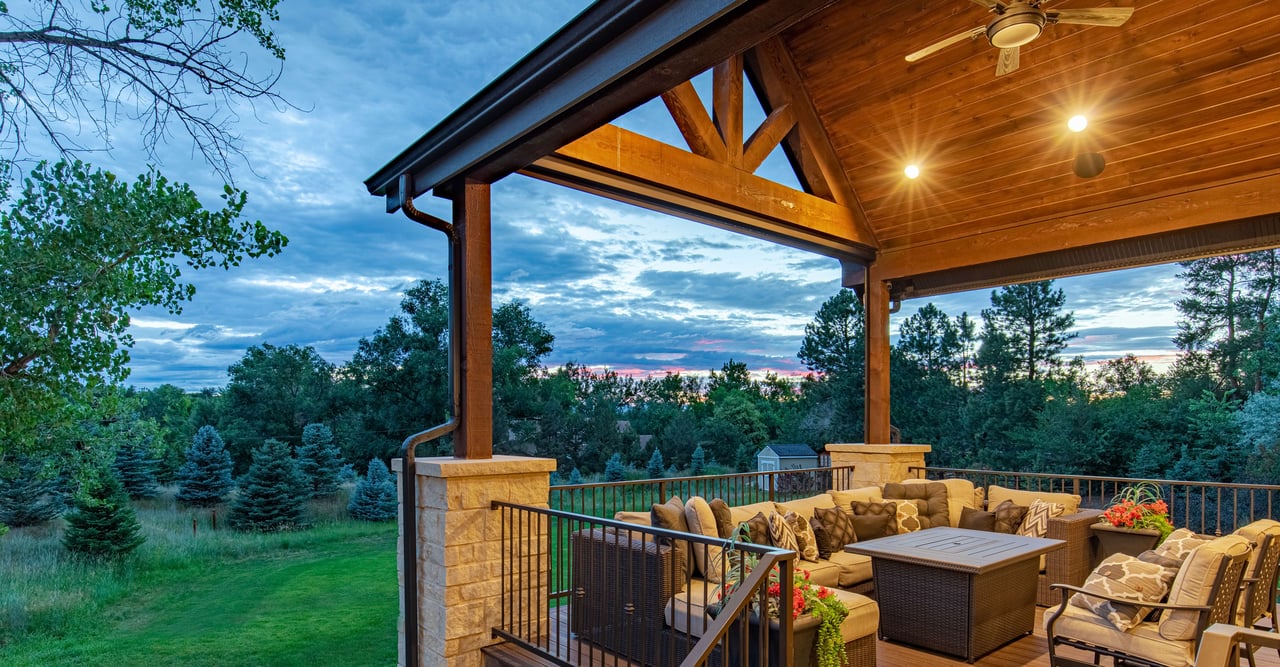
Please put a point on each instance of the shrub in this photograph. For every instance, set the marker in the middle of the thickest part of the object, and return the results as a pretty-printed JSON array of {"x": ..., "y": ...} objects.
[
  {"x": 205, "y": 478},
  {"x": 347, "y": 474},
  {"x": 102, "y": 524},
  {"x": 273, "y": 494},
  {"x": 374, "y": 498},
  {"x": 319, "y": 460}
]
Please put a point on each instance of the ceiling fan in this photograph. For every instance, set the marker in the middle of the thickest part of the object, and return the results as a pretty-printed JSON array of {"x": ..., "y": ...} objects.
[{"x": 1018, "y": 23}]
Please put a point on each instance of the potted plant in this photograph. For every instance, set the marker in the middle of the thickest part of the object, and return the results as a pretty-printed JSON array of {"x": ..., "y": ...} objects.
[{"x": 1137, "y": 520}]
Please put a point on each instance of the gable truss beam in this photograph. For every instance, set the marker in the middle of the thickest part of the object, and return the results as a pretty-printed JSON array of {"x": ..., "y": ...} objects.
[{"x": 629, "y": 167}]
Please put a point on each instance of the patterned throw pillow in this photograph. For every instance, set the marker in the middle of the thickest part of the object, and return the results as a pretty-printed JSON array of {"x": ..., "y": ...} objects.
[
  {"x": 1127, "y": 577},
  {"x": 1009, "y": 517},
  {"x": 907, "y": 517},
  {"x": 780, "y": 533},
  {"x": 758, "y": 528},
  {"x": 1179, "y": 544},
  {"x": 1036, "y": 523},
  {"x": 1169, "y": 566},
  {"x": 837, "y": 529},
  {"x": 872, "y": 520},
  {"x": 806, "y": 542}
]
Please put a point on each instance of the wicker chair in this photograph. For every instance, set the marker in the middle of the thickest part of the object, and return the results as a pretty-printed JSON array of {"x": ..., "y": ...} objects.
[
  {"x": 1211, "y": 577},
  {"x": 1258, "y": 594}
]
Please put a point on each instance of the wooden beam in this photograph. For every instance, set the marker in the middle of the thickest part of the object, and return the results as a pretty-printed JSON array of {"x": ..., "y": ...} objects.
[
  {"x": 766, "y": 137},
  {"x": 630, "y": 167},
  {"x": 694, "y": 123},
  {"x": 471, "y": 277},
  {"x": 876, "y": 404},
  {"x": 777, "y": 83},
  {"x": 727, "y": 102}
]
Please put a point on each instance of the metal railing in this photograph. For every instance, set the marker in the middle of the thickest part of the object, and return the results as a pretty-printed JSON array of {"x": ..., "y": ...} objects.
[
  {"x": 1215, "y": 508},
  {"x": 608, "y": 498},
  {"x": 582, "y": 590}
]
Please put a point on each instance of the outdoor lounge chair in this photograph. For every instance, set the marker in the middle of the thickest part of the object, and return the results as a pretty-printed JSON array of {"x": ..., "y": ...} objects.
[{"x": 1258, "y": 593}]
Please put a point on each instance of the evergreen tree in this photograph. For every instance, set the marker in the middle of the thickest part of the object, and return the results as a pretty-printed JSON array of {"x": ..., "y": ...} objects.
[
  {"x": 30, "y": 496},
  {"x": 698, "y": 462},
  {"x": 135, "y": 469},
  {"x": 273, "y": 494},
  {"x": 374, "y": 498},
  {"x": 613, "y": 469},
  {"x": 103, "y": 524},
  {"x": 656, "y": 467},
  {"x": 319, "y": 460},
  {"x": 347, "y": 474},
  {"x": 205, "y": 478},
  {"x": 1227, "y": 314},
  {"x": 575, "y": 476},
  {"x": 1030, "y": 318}
]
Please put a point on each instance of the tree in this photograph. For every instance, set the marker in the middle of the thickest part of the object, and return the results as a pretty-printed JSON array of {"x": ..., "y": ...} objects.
[
  {"x": 205, "y": 478},
  {"x": 319, "y": 460},
  {"x": 656, "y": 467},
  {"x": 84, "y": 248},
  {"x": 931, "y": 340},
  {"x": 273, "y": 494},
  {"x": 1029, "y": 317},
  {"x": 273, "y": 392},
  {"x": 135, "y": 469},
  {"x": 1227, "y": 314},
  {"x": 29, "y": 495},
  {"x": 698, "y": 462},
  {"x": 614, "y": 471},
  {"x": 374, "y": 498},
  {"x": 834, "y": 347},
  {"x": 575, "y": 476},
  {"x": 103, "y": 524},
  {"x": 86, "y": 65}
]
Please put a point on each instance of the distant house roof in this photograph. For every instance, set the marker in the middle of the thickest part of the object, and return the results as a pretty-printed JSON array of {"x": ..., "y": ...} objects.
[{"x": 791, "y": 451}]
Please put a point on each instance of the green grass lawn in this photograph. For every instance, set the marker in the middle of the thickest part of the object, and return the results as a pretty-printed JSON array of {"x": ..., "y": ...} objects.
[{"x": 326, "y": 596}]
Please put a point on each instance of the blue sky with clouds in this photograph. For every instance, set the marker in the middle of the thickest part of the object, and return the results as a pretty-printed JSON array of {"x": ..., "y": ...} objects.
[{"x": 618, "y": 286}]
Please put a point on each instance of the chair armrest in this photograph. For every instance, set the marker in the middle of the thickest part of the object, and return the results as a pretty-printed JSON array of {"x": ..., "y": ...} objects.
[
  {"x": 1219, "y": 641},
  {"x": 1072, "y": 563},
  {"x": 1129, "y": 601}
]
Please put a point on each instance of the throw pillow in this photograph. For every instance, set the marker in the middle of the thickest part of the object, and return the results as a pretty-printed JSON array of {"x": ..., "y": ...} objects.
[
  {"x": 1036, "y": 523},
  {"x": 837, "y": 529},
  {"x": 932, "y": 496},
  {"x": 707, "y": 559},
  {"x": 1169, "y": 566},
  {"x": 977, "y": 519},
  {"x": 1127, "y": 577},
  {"x": 724, "y": 518},
  {"x": 806, "y": 542},
  {"x": 758, "y": 528},
  {"x": 780, "y": 533},
  {"x": 670, "y": 515},
  {"x": 1179, "y": 544},
  {"x": 1009, "y": 517},
  {"x": 872, "y": 520},
  {"x": 907, "y": 519}
]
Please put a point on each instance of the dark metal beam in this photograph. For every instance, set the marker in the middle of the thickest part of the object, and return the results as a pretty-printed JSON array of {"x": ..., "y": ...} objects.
[{"x": 612, "y": 57}]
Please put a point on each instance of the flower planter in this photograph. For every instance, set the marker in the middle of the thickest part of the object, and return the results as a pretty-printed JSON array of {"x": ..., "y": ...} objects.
[
  {"x": 804, "y": 637},
  {"x": 1131, "y": 541}
]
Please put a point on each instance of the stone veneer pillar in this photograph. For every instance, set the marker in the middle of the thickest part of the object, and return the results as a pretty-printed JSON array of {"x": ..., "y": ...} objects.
[
  {"x": 459, "y": 550},
  {"x": 874, "y": 465}
]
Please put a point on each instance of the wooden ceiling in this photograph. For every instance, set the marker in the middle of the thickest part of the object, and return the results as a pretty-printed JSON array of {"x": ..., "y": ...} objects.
[{"x": 1183, "y": 103}]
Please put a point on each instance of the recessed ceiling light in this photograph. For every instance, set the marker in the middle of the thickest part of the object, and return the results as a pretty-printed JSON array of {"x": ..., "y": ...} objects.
[
  {"x": 912, "y": 171},
  {"x": 1078, "y": 123}
]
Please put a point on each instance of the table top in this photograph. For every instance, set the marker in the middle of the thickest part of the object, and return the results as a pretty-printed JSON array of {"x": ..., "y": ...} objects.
[{"x": 960, "y": 549}]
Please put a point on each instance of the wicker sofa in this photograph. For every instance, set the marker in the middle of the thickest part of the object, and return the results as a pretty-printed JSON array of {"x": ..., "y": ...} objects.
[{"x": 611, "y": 571}]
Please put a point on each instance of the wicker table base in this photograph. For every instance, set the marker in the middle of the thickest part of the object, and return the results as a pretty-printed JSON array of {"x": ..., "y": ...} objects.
[{"x": 955, "y": 591}]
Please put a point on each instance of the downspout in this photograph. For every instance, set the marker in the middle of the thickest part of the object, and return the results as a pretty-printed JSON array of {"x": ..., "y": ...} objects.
[{"x": 408, "y": 468}]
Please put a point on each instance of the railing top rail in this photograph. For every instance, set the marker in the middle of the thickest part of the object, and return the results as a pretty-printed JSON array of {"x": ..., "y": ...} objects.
[
  {"x": 1097, "y": 478},
  {"x": 750, "y": 547},
  {"x": 701, "y": 478}
]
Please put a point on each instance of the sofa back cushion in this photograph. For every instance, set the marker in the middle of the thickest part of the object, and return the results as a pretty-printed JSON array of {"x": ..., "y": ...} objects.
[
  {"x": 997, "y": 494},
  {"x": 846, "y": 497},
  {"x": 960, "y": 494},
  {"x": 725, "y": 527},
  {"x": 805, "y": 506},
  {"x": 670, "y": 515},
  {"x": 934, "y": 494},
  {"x": 741, "y": 513}
]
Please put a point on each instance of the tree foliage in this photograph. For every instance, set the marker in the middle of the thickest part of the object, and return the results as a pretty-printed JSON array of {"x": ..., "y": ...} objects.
[
  {"x": 1027, "y": 322},
  {"x": 272, "y": 496},
  {"x": 102, "y": 523},
  {"x": 374, "y": 498},
  {"x": 205, "y": 478},
  {"x": 319, "y": 460},
  {"x": 30, "y": 493},
  {"x": 1228, "y": 314},
  {"x": 273, "y": 392}
]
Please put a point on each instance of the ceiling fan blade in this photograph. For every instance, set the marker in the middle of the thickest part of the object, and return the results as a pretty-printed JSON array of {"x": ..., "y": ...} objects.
[
  {"x": 938, "y": 46},
  {"x": 1007, "y": 62},
  {"x": 1105, "y": 16}
]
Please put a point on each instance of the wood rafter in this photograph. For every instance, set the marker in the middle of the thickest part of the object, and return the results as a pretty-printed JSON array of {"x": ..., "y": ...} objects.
[
  {"x": 694, "y": 123},
  {"x": 767, "y": 136},
  {"x": 727, "y": 103}
]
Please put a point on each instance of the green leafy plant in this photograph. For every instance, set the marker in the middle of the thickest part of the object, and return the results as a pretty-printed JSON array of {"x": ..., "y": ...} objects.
[{"x": 1140, "y": 506}]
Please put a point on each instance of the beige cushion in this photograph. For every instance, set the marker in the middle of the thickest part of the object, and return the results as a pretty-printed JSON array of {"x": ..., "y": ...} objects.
[
  {"x": 1144, "y": 639},
  {"x": 846, "y": 497},
  {"x": 805, "y": 506},
  {"x": 1195, "y": 583},
  {"x": 1254, "y": 532},
  {"x": 1122, "y": 576},
  {"x": 960, "y": 494},
  {"x": 998, "y": 494},
  {"x": 854, "y": 568},
  {"x": 638, "y": 518},
  {"x": 742, "y": 513},
  {"x": 702, "y": 521},
  {"x": 863, "y": 618},
  {"x": 821, "y": 573},
  {"x": 687, "y": 610},
  {"x": 806, "y": 541}
]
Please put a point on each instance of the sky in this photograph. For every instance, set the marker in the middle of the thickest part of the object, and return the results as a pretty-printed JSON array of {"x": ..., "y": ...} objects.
[{"x": 617, "y": 286}]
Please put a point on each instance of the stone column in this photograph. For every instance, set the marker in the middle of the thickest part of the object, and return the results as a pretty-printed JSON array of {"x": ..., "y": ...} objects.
[
  {"x": 460, "y": 550},
  {"x": 878, "y": 464}
]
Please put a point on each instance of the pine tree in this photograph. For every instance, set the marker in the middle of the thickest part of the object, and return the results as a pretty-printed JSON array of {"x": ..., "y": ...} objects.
[
  {"x": 698, "y": 463},
  {"x": 374, "y": 498},
  {"x": 30, "y": 497},
  {"x": 575, "y": 476},
  {"x": 347, "y": 474},
  {"x": 613, "y": 469},
  {"x": 1035, "y": 329},
  {"x": 135, "y": 469},
  {"x": 319, "y": 460},
  {"x": 273, "y": 494},
  {"x": 656, "y": 467},
  {"x": 205, "y": 479},
  {"x": 103, "y": 524}
]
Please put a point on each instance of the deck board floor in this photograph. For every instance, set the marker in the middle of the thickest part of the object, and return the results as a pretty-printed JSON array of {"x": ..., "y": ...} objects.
[{"x": 1030, "y": 651}]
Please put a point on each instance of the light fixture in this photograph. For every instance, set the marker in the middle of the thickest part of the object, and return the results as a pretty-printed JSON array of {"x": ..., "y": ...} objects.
[
  {"x": 912, "y": 171},
  {"x": 1088, "y": 165},
  {"x": 1019, "y": 24},
  {"x": 1077, "y": 123}
]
